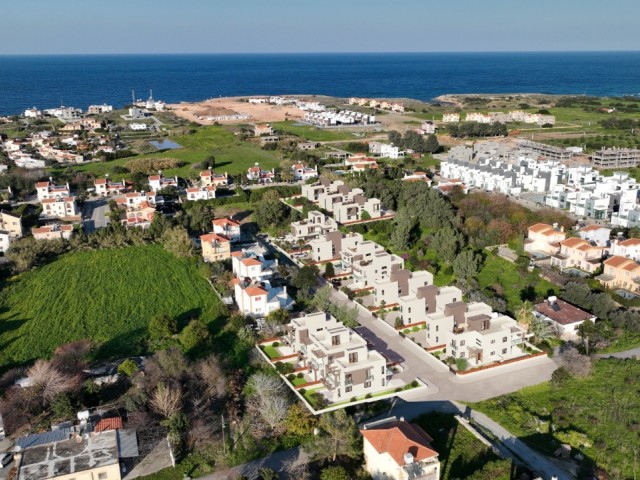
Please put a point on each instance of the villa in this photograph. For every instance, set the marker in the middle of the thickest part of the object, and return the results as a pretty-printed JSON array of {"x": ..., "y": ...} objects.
[
  {"x": 48, "y": 189},
  {"x": 247, "y": 265},
  {"x": 256, "y": 174},
  {"x": 565, "y": 318},
  {"x": 229, "y": 228},
  {"x": 208, "y": 179},
  {"x": 201, "y": 193},
  {"x": 259, "y": 299},
  {"x": 576, "y": 253},
  {"x": 544, "y": 240},
  {"x": 60, "y": 207},
  {"x": 215, "y": 247},
  {"x": 105, "y": 187},
  {"x": 303, "y": 173},
  {"x": 159, "y": 182},
  {"x": 621, "y": 272},
  {"x": 52, "y": 232}
]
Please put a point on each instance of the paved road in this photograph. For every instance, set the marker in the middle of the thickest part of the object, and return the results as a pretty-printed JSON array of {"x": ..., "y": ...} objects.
[
  {"x": 275, "y": 461},
  {"x": 633, "y": 353},
  {"x": 442, "y": 384},
  {"x": 96, "y": 214}
]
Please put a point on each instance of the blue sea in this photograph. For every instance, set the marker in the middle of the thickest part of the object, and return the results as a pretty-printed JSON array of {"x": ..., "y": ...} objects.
[{"x": 79, "y": 80}]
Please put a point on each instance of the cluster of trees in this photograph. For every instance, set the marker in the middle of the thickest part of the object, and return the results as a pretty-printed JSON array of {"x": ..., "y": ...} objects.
[
  {"x": 414, "y": 141},
  {"x": 617, "y": 123},
  {"x": 271, "y": 213},
  {"x": 475, "y": 129},
  {"x": 150, "y": 166}
]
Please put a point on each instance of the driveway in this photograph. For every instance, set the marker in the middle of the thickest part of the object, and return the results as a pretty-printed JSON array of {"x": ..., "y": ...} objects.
[
  {"x": 95, "y": 212},
  {"x": 276, "y": 461}
]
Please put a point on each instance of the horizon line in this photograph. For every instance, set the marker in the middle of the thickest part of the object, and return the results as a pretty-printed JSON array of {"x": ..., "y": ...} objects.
[{"x": 318, "y": 52}]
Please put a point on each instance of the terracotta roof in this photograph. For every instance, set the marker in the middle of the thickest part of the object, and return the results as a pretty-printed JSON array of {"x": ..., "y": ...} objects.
[
  {"x": 42, "y": 184},
  {"x": 154, "y": 178},
  {"x": 630, "y": 242},
  {"x": 399, "y": 438},
  {"x": 591, "y": 228},
  {"x": 235, "y": 281},
  {"x": 236, "y": 254},
  {"x": 574, "y": 242},
  {"x": 206, "y": 173},
  {"x": 540, "y": 227},
  {"x": 250, "y": 262},
  {"x": 562, "y": 312},
  {"x": 101, "y": 181},
  {"x": 631, "y": 266},
  {"x": 105, "y": 424},
  {"x": 617, "y": 261},
  {"x": 255, "y": 291},
  {"x": 210, "y": 237},
  {"x": 221, "y": 222}
]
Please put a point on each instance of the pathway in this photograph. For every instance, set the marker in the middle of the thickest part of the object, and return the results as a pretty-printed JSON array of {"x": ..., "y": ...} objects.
[{"x": 277, "y": 461}]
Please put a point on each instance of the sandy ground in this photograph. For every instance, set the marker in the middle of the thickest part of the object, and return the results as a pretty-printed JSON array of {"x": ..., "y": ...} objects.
[{"x": 197, "y": 112}]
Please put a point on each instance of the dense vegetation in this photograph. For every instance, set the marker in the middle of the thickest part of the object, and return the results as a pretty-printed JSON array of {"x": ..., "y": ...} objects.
[
  {"x": 598, "y": 415},
  {"x": 107, "y": 296}
]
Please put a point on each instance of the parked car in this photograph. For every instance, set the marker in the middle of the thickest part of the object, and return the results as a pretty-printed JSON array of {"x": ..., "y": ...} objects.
[{"x": 6, "y": 459}]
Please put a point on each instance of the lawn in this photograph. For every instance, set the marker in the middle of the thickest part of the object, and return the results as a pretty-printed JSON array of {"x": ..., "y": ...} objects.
[
  {"x": 461, "y": 454},
  {"x": 105, "y": 295},
  {"x": 508, "y": 280},
  {"x": 598, "y": 415},
  {"x": 271, "y": 351},
  {"x": 233, "y": 155},
  {"x": 315, "y": 134}
]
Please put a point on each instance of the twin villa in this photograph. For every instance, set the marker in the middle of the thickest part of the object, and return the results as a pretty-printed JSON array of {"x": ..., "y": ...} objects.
[{"x": 346, "y": 204}]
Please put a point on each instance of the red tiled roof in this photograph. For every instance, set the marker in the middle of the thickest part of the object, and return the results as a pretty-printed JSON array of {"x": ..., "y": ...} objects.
[
  {"x": 630, "y": 242},
  {"x": 154, "y": 177},
  {"x": 617, "y": 261},
  {"x": 591, "y": 228},
  {"x": 222, "y": 222},
  {"x": 255, "y": 291},
  {"x": 42, "y": 184},
  {"x": 540, "y": 227},
  {"x": 251, "y": 262},
  {"x": 564, "y": 313},
  {"x": 574, "y": 242},
  {"x": 210, "y": 237},
  {"x": 399, "y": 438},
  {"x": 105, "y": 424}
]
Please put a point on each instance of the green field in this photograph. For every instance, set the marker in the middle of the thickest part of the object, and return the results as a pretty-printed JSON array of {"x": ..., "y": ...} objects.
[
  {"x": 599, "y": 415},
  {"x": 105, "y": 295},
  {"x": 232, "y": 155},
  {"x": 315, "y": 134},
  {"x": 461, "y": 455},
  {"x": 508, "y": 280}
]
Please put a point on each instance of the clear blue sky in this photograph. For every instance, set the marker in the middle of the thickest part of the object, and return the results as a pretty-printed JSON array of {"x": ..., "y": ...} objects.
[{"x": 221, "y": 26}]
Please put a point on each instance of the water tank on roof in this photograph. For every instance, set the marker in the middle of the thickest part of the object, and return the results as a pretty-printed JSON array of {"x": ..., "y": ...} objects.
[
  {"x": 408, "y": 458},
  {"x": 83, "y": 415}
]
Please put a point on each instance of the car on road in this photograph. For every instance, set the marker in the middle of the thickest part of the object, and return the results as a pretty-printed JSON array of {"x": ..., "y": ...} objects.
[{"x": 6, "y": 459}]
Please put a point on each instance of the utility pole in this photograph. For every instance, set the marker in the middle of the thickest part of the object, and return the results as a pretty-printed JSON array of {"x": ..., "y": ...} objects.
[{"x": 224, "y": 442}]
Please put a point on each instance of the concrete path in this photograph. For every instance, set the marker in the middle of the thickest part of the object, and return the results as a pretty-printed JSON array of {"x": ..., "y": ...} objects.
[
  {"x": 95, "y": 214},
  {"x": 632, "y": 353},
  {"x": 276, "y": 461}
]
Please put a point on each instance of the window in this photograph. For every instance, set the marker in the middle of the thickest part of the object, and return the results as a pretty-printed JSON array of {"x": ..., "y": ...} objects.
[
  {"x": 367, "y": 384},
  {"x": 493, "y": 341},
  {"x": 335, "y": 340},
  {"x": 455, "y": 300},
  {"x": 493, "y": 353},
  {"x": 461, "y": 343},
  {"x": 409, "y": 311},
  {"x": 102, "y": 476},
  {"x": 353, "y": 357},
  {"x": 382, "y": 292},
  {"x": 437, "y": 327},
  {"x": 504, "y": 339},
  {"x": 348, "y": 389},
  {"x": 504, "y": 350},
  {"x": 437, "y": 339},
  {"x": 348, "y": 379}
]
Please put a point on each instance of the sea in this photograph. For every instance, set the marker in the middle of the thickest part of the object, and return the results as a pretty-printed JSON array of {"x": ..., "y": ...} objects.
[{"x": 83, "y": 80}]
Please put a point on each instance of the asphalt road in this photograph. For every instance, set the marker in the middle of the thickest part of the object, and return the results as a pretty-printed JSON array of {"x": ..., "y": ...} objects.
[{"x": 95, "y": 212}]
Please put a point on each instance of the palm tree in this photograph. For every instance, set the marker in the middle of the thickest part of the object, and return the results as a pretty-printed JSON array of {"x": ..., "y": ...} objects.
[
  {"x": 524, "y": 314},
  {"x": 540, "y": 330}
]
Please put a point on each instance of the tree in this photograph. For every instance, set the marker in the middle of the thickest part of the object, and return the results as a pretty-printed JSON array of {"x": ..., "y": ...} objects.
[
  {"x": 194, "y": 335},
  {"x": 161, "y": 327},
  {"x": 329, "y": 270},
  {"x": 166, "y": 400},
  {"x": 446, "y": 242},
  {"x": 306, "y": 278},
  {"x": 200, "y": 216},
  {"x": 338, "y": 437},
  {"x": 395, "y": 138},
  {"x": 524, "y": 314},
  {"x": 467, "y": 264},
  {"x": 322, "y": 299},
  {"x": 71, "y": 358},
  {"x": 364, "y": 215},
  {"x": 48, "y": 382},
  {"x": 299, "y": 420},
  {"x": 431, "y": 144},
  {"x": 405, "y": 222},
  {"x": 279, "y": 317},
  {"x": 268, "y": 396},
  {"x": 177, "y": 241},
  {"x": 334, "y": 473},
  {"x": 212, "y": 376},
  {"x": 540, "y": 330},
  {"x": 270, "y": 211},
  {"x": 577, "y": 365},
  {"x": 128, "y": 368}
]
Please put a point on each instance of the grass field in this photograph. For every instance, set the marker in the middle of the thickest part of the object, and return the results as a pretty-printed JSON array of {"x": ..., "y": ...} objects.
[
  {"x": 315, "y": 134},
  {"x": 461, "y": 455},
  {"x": 232, "y": 155},
  {"x": 598, "y": 415},
  {"x": 107, "y": 296},
  {"x": 509, "y": 282}
]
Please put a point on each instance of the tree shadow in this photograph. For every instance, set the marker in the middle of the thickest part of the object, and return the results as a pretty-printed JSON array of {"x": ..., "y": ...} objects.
[
  {"x": 528, "y": 293},
  {"x": 126, "y": 344},
  {"x": 185, "y": 317}
]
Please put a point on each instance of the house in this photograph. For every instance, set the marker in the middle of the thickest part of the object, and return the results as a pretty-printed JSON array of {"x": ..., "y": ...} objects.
[
  {"x": 472, "y": 331},
  {"x": 337, "y": 356},
  {"x": 369, "y": 263},
  {"x": 60, "y": 207},
  {"x": 97, "y": 109},
  {"x": 302, "y": 172},
  {"x": 564, "y": 317},
  {"x": 629, "y": 248},
  {"x": 255, "y": 173},
  {"x": 139, "y": 215},
  {"x": 423, "y": 300},
  {"x": 398, "y": 450},
  {"x": 138, "y": 127},
  {"x": 400, "y": 283},
  {"x": 52, "y": 232},
  {"x": 209, "y": 179},
  {"x": 330, "y": 246},
  {"x": 253, "y": 267},
  {"x": 83, "y": 457},
  {"x": 316, "y": 225},
  {"x": 450, "y": 118},
  {"x": 32, "y": 113},
  {"x": 48, "y": 189},
  {"x": 621, "y": 273},
  {"x": 201, "y": 193},
  {"x": 308, "y": 145},
  {"x": 160, "y": 182},
  {"x": 427, "y": 128},
  {"x": 416, "y": 176},
  {"x": 215, "y": 247},
  {"x": 264, "y": 129},
  {"x": 229, "y": 228},
  {"x": 578, "y": 253},
  {"x": 596, "y": 234},
  {"x": 448, "y": 185},
  {"x": 136, "y": 198},
  {"x": 87, "y": 124},
  {"x": 259, "y": 299},
  {"x": 27, "y": 162},
  {"x": 385, "y": 150},
  {"x": 105, "y": 187},
  {"x": 11, "y": 223},
  {"x": 544, "y": 240}
]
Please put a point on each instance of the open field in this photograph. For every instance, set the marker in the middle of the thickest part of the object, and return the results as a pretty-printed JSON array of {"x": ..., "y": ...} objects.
[
  {"x": 462, "y": 455},
  {"x": 105, "y": 295},
  {"x": 317, "y": 134},
  {"x": 598, "y": 415},
  {"x": 232, "y": 155}
]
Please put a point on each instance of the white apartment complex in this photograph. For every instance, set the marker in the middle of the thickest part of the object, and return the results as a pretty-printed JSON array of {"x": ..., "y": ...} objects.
[
  {"x": 316, "y": 225},
  {"x": 346, "y": 204}
]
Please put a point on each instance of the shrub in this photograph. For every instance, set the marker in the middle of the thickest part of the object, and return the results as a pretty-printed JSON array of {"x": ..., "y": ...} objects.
[
  {"x": 398, "y": 389},
  {"x": 291, "y": 377},
  {"x": 128, "y": 368},
  {"x": 300, "y": 375},
  {"x": 368, "y": 395},
  {"x": 284, "y": 368},
  {"x": 353, "y": 399},
  {"x": 302, "y": 391},
  {"x": 275, "y": 344},
  {"x": 398, "y": 323},
  {"x": 406, "y": 331},
  {"x": 462, "y": 364},
  {"x": 415, "y": 329},
  {"x": 414, "y": 384}
]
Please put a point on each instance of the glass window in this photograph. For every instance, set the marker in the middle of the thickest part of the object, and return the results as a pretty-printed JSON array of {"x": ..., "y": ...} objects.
[
  {"x": 335, "y": 340},
  {"x": 367, "y": 384}
]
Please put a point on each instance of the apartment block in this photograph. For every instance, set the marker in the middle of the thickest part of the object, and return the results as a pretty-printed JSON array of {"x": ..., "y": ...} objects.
[
  {"x": 369, "y": 262},
  {"x": 316, "y": 225},
  {"x": 48, "y": 189},
  {"x": 60, "y": 207},
  {"x": 615, "y": 158},
  {"x": 330, "y": 246},
  {"x": 337, "y": 356},
  {"x": 400, "y": 283},
  {"x": 215, "y": 247}
]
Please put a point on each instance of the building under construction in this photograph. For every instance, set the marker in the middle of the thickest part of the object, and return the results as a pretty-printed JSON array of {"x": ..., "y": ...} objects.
[
  {"x": 550, "y": 152},
  {"x": 615, "y": 158}
]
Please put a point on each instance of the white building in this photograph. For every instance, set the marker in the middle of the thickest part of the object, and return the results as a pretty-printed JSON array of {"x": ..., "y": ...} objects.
[
  {"x": 105, "y": 187},
  {"x": 60, "y": 207},
  {"x": 247, "y": 265},
  {"x": 303, "y": 173},
  {"x": 46, "y": 190},
  {"x": 138, "y": 127},
  {"x": 53, "y": 232},
  {"x": 98, "y": 109},
  {"x": 201, "y": 193},
  {"x": 337, "y": 356},
  {"x": 329, "y": 247},
  {"x": 229, "y": 228},
  {"x": 316, "y": 225},
  {"x": 565, "y": 318},
  {"x": 369, "y": 263},
  {"x": 451, "y": 118},
  {"x": 159, "y": 182},
  {"x": 397, "y": 450},
  {"x": 32, "y": 113},
  {"x": 259, "y": 299},
  {"x": 385, "y": 150},
  {"x": 596, "y": 234}
]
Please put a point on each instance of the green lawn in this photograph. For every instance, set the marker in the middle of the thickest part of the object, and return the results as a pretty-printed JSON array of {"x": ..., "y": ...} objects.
[
  {"x": 508, "y": 280},
  {"x": 271, "y": 351},
  {"x": 461, "y": 455},
  {"x": 315, "y": 134},
  {"x": 598, "y": 415},
  {"x": 232, "y": 155},
  {"x": 105, "y": 295}
]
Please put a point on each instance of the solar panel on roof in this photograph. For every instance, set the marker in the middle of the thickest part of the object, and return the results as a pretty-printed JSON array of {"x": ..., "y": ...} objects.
[{"x": 36, "y": 439}]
